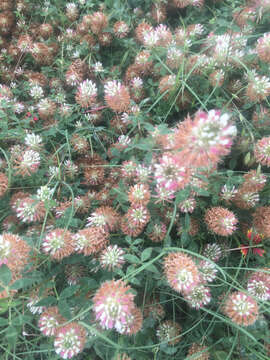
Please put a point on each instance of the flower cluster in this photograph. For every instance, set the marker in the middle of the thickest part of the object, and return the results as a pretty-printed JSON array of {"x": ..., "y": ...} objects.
[
  {"x": 114, "y": 308},
  {"x": 203, "y": 141},
  {"x": 181, "y": 272},
  {"x": 221, "y": 221},
  {"x": 131, "y": 142},
  {"x": 241, "y": 308}
]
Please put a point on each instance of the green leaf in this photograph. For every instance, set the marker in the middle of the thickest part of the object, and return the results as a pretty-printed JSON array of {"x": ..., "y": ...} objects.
[
  {"x": 22, "y": 283},
  {"x": 170, "y": 350},
  {"x": 64, "y": 309},
  {"x": 146, "y": 254},
  {"x": 135, "y": 281},
  {"x": 221, "y": 30},
  {"x": 48, "y": 301},
  {"x": 5, "y": 275},
  {"x": 136, "y": 242},
  {"x": 202, "y": 192},
  {"x": 132, "y": 259},
  {"x": 182, "y": 195},
  {"x": 90, "y": 283},
  {"x": 143, "y": 146},
  {"x": 152, "y": 268},
  {"x": 220, "y": 355},
  {"x": 69, "y": 291},
  {"x": 187, "y": 222},
  {"x": 5, "y": 303},
  {"x": 11, "y": 335},
  {"x": 184, "y": 238},
  {"x": 21, "y": 319},
  {"x": 3, "y": 322}
]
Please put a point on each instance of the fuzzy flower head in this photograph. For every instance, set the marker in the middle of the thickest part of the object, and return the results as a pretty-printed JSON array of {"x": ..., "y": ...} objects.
[
  {"x": 136, "y": 83},
  {"x": 74, "y": 273},
  {"x": 143, "y": 173},
  {"x": 44, "y": 193},
  {"x": 181, "y": 272},
  {"x": 98, "y": 22},
  {"x": 254, "y": 180},
  {"x": 113, "y": 304},
  {"x": 198, "y": 352},
  {"x": 128, "y": 169},
  {"x": 199, "y": 296},
  {"x": 122, "y": 142},
  {"x": 58, "y": 244},
  {"x": 174, "y": 57},
  {"x": 49, "y": 320},
  {"x": 157, "y": 232},
  {"x": 259, "y": 286},
  {"x": 203, "y": 141},
  {"x": 139, "y": 194},
  {"x": 258, "y": 87},
  {"x": 246, "y": 197},
  {"x": 138, "y": 215},
  {"x": 169, "y": 331},
  {"x": 33, "y": 141},
  {"x": 69, "y": 340},
  {"x": 31, "y": 304},
  {"x": 255, "y": 281},
  {"x": 46, "y": 108},
  {"x": 221, "y": 221},
  {"x": 263, "y": 47},
  {"x": 70, "y": 168},
  {"x": 72, "y": 11},
  {"x": 117, "y": 96},
  {"x": 105, "y": 217},
  {"x": 14, "y": 252},
  {"x": 187, "y": 206},
  {"x": 227, "y": 193},
  {"x": 169, "y": 174},
  {"x": 29, "y": 210},
  {"x": 3, "y": 183},
  {"x": 112, "y": 257},
  {"x": 241, "y": 309},
  {"x": 86, "y": 93},
  {"x": 91, "y": 240},
  {"x": 36, "y": 92},
  {"x": 155, "y": 310},
  {"x": 27, "y": 163},
  {"x": 121, "y": 29},
  {"x": 262, "y": 151},
  {"x": 5, "y": 250},
  {"x": 151, "y": 38},
  {"x": 133, "y": 323},
  {"x": 208, "y": 271},
  {"x": 261, "y": 220}
]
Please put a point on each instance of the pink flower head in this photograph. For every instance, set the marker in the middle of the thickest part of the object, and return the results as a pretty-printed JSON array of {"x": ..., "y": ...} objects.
[
  {"x": 203, "y": 141},
  {"x": 181, "y": 272},
  {"x": 49, "y": 320},
  {"x": 199, "y": 296},
  {"x": 69, "y": 340},
  {"x": 117, "y": 96},
  {"x": 113, "y": 304},
  {"x": 221, "y": 220},
  {"x": 241, "y": 308},
  {"x": 262, "y": 151},
  {"x": 169, "y": 174},
  {"x": 259, "y": 285}
]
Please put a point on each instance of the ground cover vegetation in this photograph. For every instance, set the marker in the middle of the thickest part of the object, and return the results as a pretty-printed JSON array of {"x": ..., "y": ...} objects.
[{"x": 134, "y": 179}]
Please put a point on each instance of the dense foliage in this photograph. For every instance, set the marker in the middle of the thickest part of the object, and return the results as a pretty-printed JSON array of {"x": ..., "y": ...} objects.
[{"x": 134, "y": 179}]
